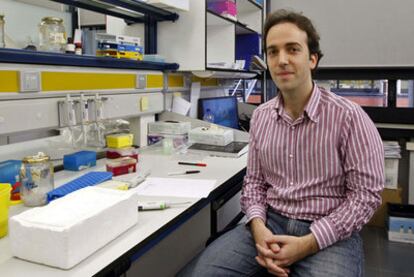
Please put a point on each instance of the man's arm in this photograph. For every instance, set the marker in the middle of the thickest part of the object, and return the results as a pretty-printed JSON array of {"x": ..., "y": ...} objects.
[
  {"x": 253, "y": 198},
  {"x": 363, "y": 162},
  {"x": 253, "y": 202}
]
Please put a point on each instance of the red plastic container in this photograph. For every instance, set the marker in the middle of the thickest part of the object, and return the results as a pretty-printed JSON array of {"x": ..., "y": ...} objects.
[
  {"x": 114, "y": 153},
  {"x": 121, "y": 166}
]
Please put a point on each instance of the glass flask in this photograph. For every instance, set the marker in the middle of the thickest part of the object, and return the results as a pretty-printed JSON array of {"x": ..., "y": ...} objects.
[
  {"x": 52, "y": 35},
  {"x": 36, "y": 177}
]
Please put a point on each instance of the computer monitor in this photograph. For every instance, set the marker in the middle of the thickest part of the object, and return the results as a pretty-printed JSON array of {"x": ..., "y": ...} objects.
[{"x": 223, "y": 109}]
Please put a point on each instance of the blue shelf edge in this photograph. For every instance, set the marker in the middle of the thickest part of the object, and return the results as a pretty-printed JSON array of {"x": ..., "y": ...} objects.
[{"x": 8, "y": 55}]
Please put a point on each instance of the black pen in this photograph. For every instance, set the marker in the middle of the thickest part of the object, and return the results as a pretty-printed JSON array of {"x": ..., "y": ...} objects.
[
  {"x": 183, "y": 172},
  {"x": 195, "y": 164}
]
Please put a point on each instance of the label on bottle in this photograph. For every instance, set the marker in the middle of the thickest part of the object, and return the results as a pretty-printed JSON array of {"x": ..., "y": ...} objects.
[{"x": 59, "y": 38}]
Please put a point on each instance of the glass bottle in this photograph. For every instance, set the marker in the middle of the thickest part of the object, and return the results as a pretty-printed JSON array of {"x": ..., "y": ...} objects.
[
  {"x": 2, "y": 44},
  {"x": 36, "y": 177},
  {"x": 208, "y": 116},
  {"x": 52, "y": 34}
]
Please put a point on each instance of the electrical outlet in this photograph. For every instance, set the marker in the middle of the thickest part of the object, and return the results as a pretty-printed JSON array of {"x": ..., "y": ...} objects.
[
  {"x": 29, "y": 81},
  {"x": 141, "y": 81}
]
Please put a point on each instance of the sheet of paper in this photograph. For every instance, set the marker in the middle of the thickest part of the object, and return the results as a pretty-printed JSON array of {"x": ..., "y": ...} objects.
[
  {"x": 180, "y": 105},
  {"x": 195, "y": 94},
  {"x": 192, "y": 188}
]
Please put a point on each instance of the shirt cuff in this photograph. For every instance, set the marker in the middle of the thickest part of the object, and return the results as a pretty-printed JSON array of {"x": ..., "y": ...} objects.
[
  {"x": 324, "y": 232},
  {"x": 256, "y": 211}
]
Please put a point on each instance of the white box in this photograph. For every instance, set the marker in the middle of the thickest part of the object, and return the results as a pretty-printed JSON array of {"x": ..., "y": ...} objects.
[
  {"x": 71, "y": 228},
  {"x": 391, "y": 173},
  {"x": 183, "y": 5},
  {"x": 169, "y": 127},
  {"x": 401, "y": 237},
  {"x": 211, "y": 136}
]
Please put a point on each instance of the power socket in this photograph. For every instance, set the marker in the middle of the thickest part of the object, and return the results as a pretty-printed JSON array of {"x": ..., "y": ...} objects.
[
  {"x": 141, "y": 81},
  {"x": 29, "y": 81}
]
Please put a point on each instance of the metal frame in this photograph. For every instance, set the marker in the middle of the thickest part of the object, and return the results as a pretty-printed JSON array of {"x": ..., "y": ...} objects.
[
  {"x": 102, "y": 6},
  {"x": 390, "y": 114}
]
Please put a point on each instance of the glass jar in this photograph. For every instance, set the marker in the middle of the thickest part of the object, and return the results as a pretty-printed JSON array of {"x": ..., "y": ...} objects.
[
  {"x": 2, "y": 44},
  {"x": 36, "y": 177},
  {"x": 52, "y": 34}
]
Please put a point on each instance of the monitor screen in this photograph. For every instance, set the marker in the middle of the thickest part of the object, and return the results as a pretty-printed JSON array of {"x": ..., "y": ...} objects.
[{"x": 223, "y": 110}]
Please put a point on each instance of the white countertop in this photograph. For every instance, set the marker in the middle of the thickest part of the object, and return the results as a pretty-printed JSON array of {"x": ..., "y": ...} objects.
[{"x": 220, "y": 169}]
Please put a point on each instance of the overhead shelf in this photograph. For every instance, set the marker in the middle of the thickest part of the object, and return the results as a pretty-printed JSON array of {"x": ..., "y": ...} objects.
[
  {"x": 130, "y": 10},
  {"x": 224, "y": 73},
  {"x": 48, "y": 58}
]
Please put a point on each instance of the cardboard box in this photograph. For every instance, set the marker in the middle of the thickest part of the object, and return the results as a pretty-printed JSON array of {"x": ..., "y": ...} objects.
[{"x": 388, "y": 196}]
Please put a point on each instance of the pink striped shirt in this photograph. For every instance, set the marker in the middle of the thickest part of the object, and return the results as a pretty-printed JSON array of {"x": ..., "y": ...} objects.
[{"x": 327, "y": 166}]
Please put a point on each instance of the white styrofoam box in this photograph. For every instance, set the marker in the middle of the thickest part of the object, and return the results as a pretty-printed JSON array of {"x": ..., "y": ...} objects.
[
  {"x": 183, "y": 5},
  {"x": 171, "y": 128},
  {"x": 391, "y": 173},
  {"x": 71, "y": 228},
  {"x": 211, "y": 135}
]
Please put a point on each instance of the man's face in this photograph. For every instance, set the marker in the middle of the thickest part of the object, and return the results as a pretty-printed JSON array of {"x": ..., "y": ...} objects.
[{"x": 288, "y": 57}]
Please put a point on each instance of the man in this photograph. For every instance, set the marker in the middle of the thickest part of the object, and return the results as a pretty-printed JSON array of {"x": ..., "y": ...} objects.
[{"x": 314, "y": 173}]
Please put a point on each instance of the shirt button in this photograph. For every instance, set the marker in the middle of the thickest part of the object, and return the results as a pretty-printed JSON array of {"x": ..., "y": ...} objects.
[
  {"x": 291, "y": 156},
  {"x": 291, "y": 183},
  {"x": 293, "y": 127}
]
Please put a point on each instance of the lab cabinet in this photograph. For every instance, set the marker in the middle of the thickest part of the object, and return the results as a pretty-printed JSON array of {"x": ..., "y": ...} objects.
[{"x": 204, "y": 40}]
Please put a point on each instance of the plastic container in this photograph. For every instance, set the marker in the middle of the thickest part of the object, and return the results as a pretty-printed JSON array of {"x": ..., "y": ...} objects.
[
  {"x": 114, "y": 153},
  {"x": 36, "y": 177},
  {"x": 119, "y": 140},
  {"x": 226, "y": 8},
  {"x": 89, "y": 179},
  {"x": 52, "y": 34},
  {"x": 177, "y": 140},
  {"x": 4, "y": 208},
  {"x": 79, "y": 160},
  {"x": 401, "y": 223},
  {"x": 121, "y": 166},
  {"x": 9, "y": 171}
]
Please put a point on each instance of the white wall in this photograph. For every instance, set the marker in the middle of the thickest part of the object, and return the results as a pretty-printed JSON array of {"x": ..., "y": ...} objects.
[
  {"x": 22, "y": 20},
  {"x": 361, "y": 32}
]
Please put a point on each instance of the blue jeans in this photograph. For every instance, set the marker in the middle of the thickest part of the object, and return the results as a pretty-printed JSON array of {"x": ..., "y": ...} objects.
[{"x": 233, "y": 254}]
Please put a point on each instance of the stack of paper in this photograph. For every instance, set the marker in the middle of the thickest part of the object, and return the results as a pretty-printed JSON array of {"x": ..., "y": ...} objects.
[
  {"x": 392, "y": 149},
  {"x": 192, "y": 188}
]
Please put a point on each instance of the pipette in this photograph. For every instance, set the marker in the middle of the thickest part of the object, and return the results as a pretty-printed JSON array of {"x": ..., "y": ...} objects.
[{"x": 158, "y": 205}]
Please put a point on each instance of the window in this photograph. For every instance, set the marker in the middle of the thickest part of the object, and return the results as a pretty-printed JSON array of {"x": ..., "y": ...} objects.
[{"x": 368, "y": 93}]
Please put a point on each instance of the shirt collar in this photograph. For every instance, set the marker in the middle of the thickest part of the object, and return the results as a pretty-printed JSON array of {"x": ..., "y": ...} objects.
[
  {"x": 278, "y": 106},
  {"x": 311, "y": 108}
]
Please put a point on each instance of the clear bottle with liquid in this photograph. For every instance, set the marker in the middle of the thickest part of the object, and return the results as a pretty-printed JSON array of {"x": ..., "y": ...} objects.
[{"x": 208, "y": 116}]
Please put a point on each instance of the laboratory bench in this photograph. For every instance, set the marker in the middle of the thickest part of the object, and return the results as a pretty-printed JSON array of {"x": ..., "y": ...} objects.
[{"x": 169, "y": 237}]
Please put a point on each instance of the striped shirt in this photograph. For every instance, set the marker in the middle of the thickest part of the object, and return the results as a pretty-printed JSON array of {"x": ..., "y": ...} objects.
[{"x": 327, "y": 166}]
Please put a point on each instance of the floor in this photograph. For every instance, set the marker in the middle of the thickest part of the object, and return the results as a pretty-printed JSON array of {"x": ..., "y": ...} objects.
[{"x": 385, "y": 258}]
